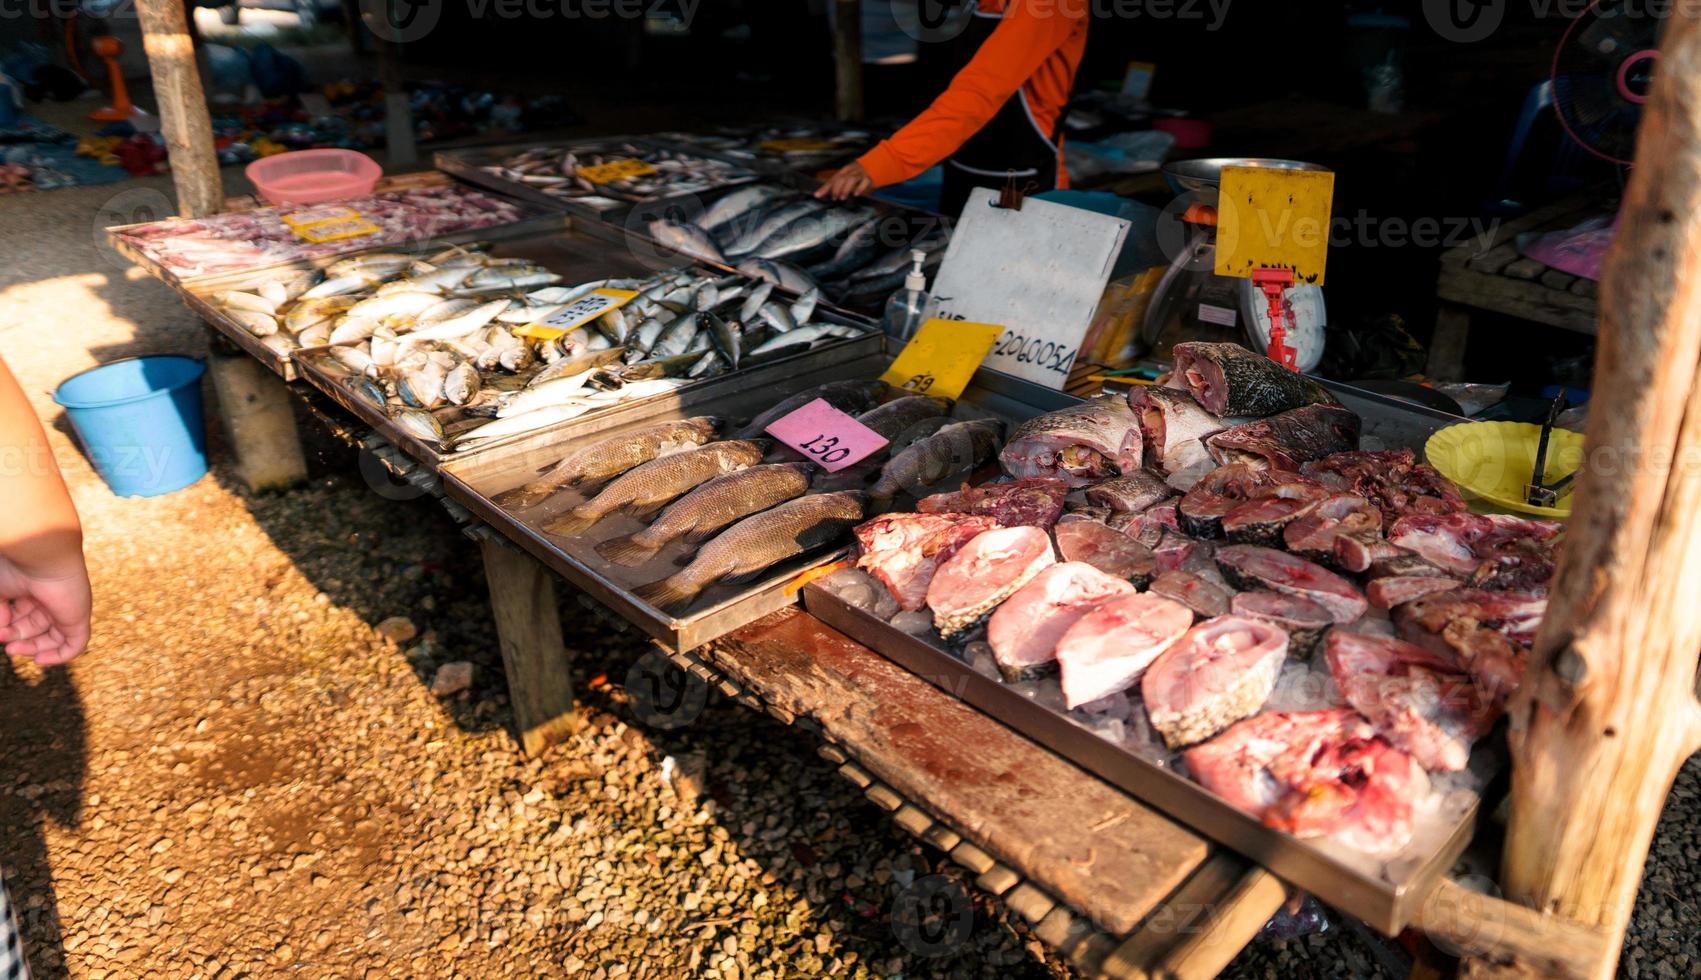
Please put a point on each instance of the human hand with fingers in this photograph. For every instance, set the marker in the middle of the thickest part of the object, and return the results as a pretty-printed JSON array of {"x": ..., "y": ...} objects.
[
  {"x": 45, "y": 597},
  {"x": 851, "y": 180}
]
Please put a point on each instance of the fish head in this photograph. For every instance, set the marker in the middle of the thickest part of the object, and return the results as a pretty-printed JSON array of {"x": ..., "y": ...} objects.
[{"x": 705, "y": 426}]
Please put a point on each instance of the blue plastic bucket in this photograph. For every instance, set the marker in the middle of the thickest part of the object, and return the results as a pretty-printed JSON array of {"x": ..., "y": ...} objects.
[{"x": 140, "y": 422}]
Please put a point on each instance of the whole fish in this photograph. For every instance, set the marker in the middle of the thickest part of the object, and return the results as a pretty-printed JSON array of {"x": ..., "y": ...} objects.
[
  {"x": 683, "y": 236},
  {"x": 650, "y": 485},
  {"x": 568, "y": 365},
  {"x": 810, "y": 231},
  {"x": 858, "y": 248},
  {"x": 783, "y": 274},
  {"x": 516, "y": 424},
  {"x": 236, "y": 299},
  {"x": 711, "y": 507},
  {"x": 917, "y": 432},
  {"x": 1228, "y": 379},
  {"x": 341, "y": 285},
  {"x": 804, "y": 308},
  {"x": 949, "y": 455},
  {"x": 610, "y": 456},
  {"x": 899, "y": 414},
  {"x": 558, "y": 391},
  {"x": 754, "y": 302},
  {"x": 729, "y": 207},
  {"x": 258, "y": 324},
  {"x": 770, "y": 222},
  {"x": 462, "y": 383},
  {"x": 1080, "y": 444},
  {"x": 757, "y": 543},
  {"x": 678, "y": 336},
  {"x": 805, "y": 337},
  {"x": 457, "y": 326},
  {"x": 728, "y": 339},
  {"x": 420, "y": 424},
  {"x": 846, "y": 396}
]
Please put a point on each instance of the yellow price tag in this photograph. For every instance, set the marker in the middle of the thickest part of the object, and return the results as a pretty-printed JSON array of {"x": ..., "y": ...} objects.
[
  {"x": 614, "y": 170},
  {"x": 1274, "y": 219},
  {"x": 336, "y": 229},
  {"x": 576, "y": 314},
  {"x": 942, "y": 356},
  {"x": 318, "y": 216},
  {"x": 802, "y": 144}
]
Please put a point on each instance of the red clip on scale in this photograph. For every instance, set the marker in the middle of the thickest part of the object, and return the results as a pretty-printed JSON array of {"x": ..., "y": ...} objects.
[{"x": 1275, "y": 283}]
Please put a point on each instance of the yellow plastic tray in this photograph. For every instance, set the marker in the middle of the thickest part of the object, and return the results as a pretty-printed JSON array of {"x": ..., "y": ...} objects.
[{"x": 1493, "y": 460}]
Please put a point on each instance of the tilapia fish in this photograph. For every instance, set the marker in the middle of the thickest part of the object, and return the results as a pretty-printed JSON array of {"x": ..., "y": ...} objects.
[
  {"x": 1024, "y": 631},
  {"x": 1423, "y": 702},
  {"x": 1107, "y": 650},
  {"x": 847, "y": 396},
  {"x": 1174, "y": 425},
  {"x": 1081, "y": 444},
  {"x": 1228, "y": 379},
  {"x": 985, "y": 572},
  {"x": 1286, "y": 440},
  {"x": 952, "y": 453},
  {"x": 711, "y": 507},
  {"x": 650, "y": 485},
  {"x": 611, "y": 456},
  {"x": 904, "y": 551},
  {"x": 1036, "y": 502},
  {"x": 1223, "y": 670},
  {"x": 1315, "y": 773},
  {"x": 893, "y": 418},
  {"x": 757, "y": 543}
]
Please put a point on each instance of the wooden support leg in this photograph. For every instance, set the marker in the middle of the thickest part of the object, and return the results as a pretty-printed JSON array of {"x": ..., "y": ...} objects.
[
  {"x": 1447, "y": 346},
  {"x": 259, "y": 422},
  {"x": 528, "y": 627}
]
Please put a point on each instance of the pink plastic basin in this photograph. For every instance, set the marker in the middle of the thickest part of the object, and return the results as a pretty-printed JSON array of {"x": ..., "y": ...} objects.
[{"x": 314, "y": 176}]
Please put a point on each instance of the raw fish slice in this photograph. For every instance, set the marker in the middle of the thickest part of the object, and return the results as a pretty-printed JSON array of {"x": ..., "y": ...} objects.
[
  {"x": 1303, "y": 620},
  {"x": 1107, "y": 650},
  {"x": 905, "y": 550},
  {"x": 1262, "y": 519},
  {"x": 1024, "y": 630},
  {"x": 1080, "y": 445},
  {"x": 1228, "y": 379},
  {"x": 1392, "y": 479},
  {"x": 1487, "y": 631},
  {"x": 1130, "y": 493},
  {"x": 1194, "y": 591},
  {"x": 985, "y": 572},
  {"x": 1106, "y": 549},
  {"x": 1222, "y": 671},
  {"x": 1423, "y": 703},
  {"x": 1174, "y": 426},
  {"x": 1284, "y": 441},
  {"x": 1397, "y": 590},
  {"x": 1036, "y": 502},
  {"x": 1314, "y": 774},
  {"x": 1201, "y": 511},
  {"x": 1250, "y": 567}
]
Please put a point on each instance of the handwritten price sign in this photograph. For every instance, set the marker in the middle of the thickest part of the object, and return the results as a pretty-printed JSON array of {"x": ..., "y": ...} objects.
[
  {"x": 942, "y": 356},
  {"x": 826, "y": 436},
  {"x": 581, "y": 311}
]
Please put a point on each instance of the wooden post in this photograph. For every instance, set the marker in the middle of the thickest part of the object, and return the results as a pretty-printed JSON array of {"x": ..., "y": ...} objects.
[
  {"x": 398, "y": 112},
  {"x": 528, "y": 628},
  {"x": 1607, "y": 712},
  {"x": 184, "y": 122},
  {"x": 847, "y": 59},
  {"x": 259, "y": 421},
  {"x": 1447, "y": 344}
]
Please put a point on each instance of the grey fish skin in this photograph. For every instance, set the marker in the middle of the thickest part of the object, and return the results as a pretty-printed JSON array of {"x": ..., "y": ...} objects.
[
  {"x": 858, "y": 248},
  {"x": 655, "y": 483},
  {"x": 810, "y": 231},
  {"x": 1080, "y": 444},
  {"x": 1130, "y": 493},
  {"x": 899, "y": 414},
  {"x": 952, "y": 453},
  {"x": 846, "y": 396},
  {"x": 613, "y": 455},
  {"x": 917, "y": 432},
  {"x": 1228, "y": 379},
  {"x": 711, "y": 507},
  {"x": 750, "y": 238},
  {"x": 1285, "y": 440},
  {"x": 730, "y": 206},
  {"x": 688, "y": 238},
  {"x": 759, "y": 542}
]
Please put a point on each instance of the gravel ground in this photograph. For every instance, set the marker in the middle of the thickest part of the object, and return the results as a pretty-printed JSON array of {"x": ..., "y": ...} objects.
[{"x": 250, "y": 773}]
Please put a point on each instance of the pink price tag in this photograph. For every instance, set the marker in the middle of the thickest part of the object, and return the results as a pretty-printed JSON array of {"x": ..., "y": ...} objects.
[{"x": 826, "y": 436}]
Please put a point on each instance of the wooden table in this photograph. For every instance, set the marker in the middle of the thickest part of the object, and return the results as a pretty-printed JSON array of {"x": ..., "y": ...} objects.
[{"x": 1500, "y": 280}]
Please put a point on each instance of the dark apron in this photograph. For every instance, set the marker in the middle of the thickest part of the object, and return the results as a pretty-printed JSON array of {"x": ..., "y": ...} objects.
[{"x": 1008, "y": 146}]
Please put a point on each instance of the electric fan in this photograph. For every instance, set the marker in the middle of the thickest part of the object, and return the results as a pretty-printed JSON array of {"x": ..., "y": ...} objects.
[{"x": 1602, "y": 72}]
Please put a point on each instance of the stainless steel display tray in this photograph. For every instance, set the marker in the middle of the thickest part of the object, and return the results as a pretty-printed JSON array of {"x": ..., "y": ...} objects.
[{"x": 478, "y": 482}]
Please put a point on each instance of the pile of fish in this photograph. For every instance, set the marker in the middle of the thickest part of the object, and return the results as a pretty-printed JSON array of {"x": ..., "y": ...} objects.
[
  {"x": 1160, "y": 561},
  {"x": 239, "y": 240},
  {"x": 856, "y": 254},
  {"x": 715, "y": 497},
  {"x": 441, "y": 343},
  {"x": 799, "y": 146},
  {"x": 556, "y": 171}
]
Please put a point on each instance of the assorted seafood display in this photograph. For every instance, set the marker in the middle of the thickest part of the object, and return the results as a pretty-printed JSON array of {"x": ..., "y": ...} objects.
[
  {"x": 1214, "y": 577},
  {"x": 855, "y": 254},
  {"x": 245, "y": 240},
  {"x": 609, "y": 171},
  {"x": 803, "y": 147},
  {"x": 449, "y": 346}
]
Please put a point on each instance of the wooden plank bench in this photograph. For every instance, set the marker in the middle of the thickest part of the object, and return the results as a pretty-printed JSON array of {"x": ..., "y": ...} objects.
[{"x": 1498, "y": 279}]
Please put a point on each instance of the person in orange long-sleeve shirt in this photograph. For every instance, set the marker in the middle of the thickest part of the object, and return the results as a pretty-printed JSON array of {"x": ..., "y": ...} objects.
[{"x": 1001, "y": 117}]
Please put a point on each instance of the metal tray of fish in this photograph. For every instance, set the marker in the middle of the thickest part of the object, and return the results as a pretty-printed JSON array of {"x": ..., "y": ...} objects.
[
  {"x": 494, "y": 167},
  {"x": 481, "y": 482},
  {"x": 1383, "y": 891},
  {"x": 200, "y": 295},
  {"x": 786, "y": 150},
  {"x": 261, "y": 249}
]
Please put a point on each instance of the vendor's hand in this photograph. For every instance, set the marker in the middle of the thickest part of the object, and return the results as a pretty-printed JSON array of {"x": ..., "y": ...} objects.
[
  {"x": 45, "y": 615},
  {"x": 851, "y": 181}
]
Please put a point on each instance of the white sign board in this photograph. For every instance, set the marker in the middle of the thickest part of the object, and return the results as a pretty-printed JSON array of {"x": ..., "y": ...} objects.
[{"x": 1039, "y": 272}]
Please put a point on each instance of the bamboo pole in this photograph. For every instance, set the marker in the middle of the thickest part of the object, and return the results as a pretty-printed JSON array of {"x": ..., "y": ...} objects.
[
  {"x": 1607, "y": 712},
  {"x": 847, "y": 59},
  {"x": 184, "y": 122}
]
